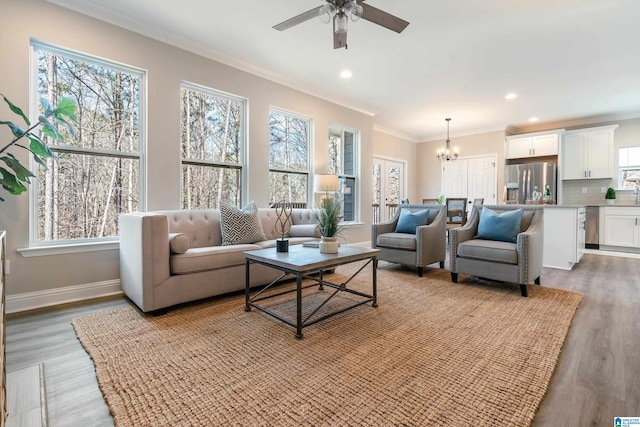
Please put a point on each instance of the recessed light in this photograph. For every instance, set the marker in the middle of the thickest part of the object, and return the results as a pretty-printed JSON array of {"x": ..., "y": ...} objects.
[
  {"x": 533, "y": 119},
  {"x": 346, "y": 74},
  {"x": 511, "y": 96}
]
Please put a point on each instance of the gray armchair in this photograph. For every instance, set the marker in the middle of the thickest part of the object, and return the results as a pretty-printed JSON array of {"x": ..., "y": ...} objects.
[
  {"x": 426, "y": 247},
  {"x": 519, "y": 262}
]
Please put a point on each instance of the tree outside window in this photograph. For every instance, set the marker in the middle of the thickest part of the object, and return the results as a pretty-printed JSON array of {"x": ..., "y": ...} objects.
[
  {"x": 288, "y": 157},
  {"x": 212, "y": 139},
  {"x": 343, "y": 153},
  {"x": 97, "y": 176}
]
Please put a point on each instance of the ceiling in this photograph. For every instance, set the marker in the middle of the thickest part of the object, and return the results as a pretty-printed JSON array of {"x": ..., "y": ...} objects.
[{"x": 566, "y": 60}]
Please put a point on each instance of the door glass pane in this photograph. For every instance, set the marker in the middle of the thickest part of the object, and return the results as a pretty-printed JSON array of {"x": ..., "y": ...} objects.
[{"x": 393, "y": 181}]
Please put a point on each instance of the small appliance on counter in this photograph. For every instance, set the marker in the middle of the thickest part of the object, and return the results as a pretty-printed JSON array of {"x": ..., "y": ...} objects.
[{"x": 522, "y": 180}]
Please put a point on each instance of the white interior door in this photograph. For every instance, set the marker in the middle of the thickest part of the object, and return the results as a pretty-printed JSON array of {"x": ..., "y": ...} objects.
[
  {"x": 388, "y": 187},
  {"x": 482, "y": 180},
  {"x": 454, "y": 178},
  {"x": 471, "y": 177}
]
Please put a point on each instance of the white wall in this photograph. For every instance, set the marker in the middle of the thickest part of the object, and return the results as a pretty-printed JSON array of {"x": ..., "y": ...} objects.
[{"x": 166, "y": 66}]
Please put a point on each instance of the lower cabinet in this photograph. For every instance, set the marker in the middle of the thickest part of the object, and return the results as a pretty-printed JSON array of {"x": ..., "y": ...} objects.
[
  {"x": 564, "y": 236},
  {"x": 622, "y": 227}
]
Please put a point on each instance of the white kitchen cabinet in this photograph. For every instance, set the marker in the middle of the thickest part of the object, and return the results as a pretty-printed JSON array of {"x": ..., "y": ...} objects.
[
  {"x": 532, "y": 145},
  {"x": 622, "y": 227},
  {"x": 564, "y": 236},
  {"x": 588, "y": 153}
]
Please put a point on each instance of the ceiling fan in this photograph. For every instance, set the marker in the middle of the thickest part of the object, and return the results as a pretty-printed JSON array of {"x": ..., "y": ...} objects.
[{"x": 340, "y": 11}]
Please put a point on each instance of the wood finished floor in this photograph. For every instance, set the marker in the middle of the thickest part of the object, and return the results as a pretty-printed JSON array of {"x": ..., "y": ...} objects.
[{"x": 596, "y": 378}]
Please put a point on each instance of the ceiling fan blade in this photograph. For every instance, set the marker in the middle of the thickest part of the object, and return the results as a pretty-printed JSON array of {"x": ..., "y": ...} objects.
[
  {"x": 309, "y": 14},
  {"x": 382, "y": 18},
  {"x": 339, "y": 40}
]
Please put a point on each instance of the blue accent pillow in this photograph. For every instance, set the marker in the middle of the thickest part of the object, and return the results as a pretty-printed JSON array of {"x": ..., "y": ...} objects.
[
  {"x": 409, "y": 221},
  {"x": 503, "y": 226}
]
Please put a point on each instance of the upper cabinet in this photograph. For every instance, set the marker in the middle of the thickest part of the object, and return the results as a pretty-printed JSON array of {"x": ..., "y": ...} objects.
[
  {"x": 532, "y": 145},
  {"x": 588, "y": 153}
]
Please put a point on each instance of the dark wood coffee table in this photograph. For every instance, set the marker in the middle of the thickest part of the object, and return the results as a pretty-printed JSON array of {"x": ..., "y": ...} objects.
[{"x": 309, "y": 263}]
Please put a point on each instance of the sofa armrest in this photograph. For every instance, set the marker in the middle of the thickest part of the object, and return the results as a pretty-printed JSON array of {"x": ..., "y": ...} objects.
[
  {"x": 458, "y": 235},
  {"x": 530, "y": 244},
  {"x": 144, "y": 256},
  {"x": 381, "y": 228},
  {"x": 431, "y": 239}
]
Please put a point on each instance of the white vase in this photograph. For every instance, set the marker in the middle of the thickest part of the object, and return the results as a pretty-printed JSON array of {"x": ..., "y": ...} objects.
[
  {"x": 329, "y": 245},
  {"x": 611, "y": 201}
]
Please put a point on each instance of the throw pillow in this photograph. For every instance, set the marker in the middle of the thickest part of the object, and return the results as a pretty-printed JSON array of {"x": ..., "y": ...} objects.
[
  {"x": 179, "y": 243},
  {"x": 240, "y": 226},
  {"x": 409, "y": 221},
  {"x": 503, "y": 226}
]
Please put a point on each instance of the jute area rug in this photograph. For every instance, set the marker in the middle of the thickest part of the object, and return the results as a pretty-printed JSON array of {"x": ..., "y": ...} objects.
[{"x": 432, "y": 353}]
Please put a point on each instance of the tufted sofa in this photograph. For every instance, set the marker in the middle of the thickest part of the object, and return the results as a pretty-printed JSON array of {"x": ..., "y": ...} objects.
[{"x": 171, "y": 257}]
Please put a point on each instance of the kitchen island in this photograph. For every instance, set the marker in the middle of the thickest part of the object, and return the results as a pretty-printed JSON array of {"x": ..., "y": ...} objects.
[{"x": 564, "y": 235}]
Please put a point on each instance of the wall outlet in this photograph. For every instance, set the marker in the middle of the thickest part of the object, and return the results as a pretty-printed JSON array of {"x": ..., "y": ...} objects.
[
  {"x": 603, "y": 189},
  {"x": 584, "y": 190}
]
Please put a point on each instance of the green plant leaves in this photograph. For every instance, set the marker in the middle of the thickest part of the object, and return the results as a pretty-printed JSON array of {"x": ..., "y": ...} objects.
[
  {"x": 10, "y": 183},
  {"x": 15, "y": 129},
  {"x": 16, "y": 110},
  {"x": 23, "y": 174},
  {"x": 66, "y": 108},
  {"x": 16, "y": 175}
]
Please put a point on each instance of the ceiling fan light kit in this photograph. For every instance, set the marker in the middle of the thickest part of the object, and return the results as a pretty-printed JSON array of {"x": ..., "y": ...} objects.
[{"x": 341, "y": 11}]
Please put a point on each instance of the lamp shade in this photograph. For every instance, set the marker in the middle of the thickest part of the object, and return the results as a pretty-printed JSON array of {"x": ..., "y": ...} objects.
[{"x": 326, "y": 183}]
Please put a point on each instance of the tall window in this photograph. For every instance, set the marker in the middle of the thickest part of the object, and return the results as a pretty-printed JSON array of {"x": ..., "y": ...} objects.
[
  {"x": 288, "y": 157},
  {"x": 98, "y": 174},
  {"x": 628, "y": 167},
  {"x": 212, "y": 133},
  {"x": 343, "y": 154}
]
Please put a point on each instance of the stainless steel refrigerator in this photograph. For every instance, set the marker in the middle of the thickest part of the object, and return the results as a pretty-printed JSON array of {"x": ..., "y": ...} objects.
[{"x": 520, "y": 181}]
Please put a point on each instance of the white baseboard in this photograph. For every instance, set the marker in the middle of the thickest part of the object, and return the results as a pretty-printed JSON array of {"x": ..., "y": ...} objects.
[{"x": 39, "y": 299}]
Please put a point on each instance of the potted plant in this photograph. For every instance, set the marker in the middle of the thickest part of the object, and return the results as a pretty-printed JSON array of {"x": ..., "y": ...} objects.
[
  {"x": 610, "y": 197},
  {"x": 328, "y": 218},
  {"x": 16, "y": 176}
]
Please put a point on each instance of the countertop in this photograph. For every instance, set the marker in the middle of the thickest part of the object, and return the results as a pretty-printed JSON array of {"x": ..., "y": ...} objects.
[{"x": 618, "y": 205}]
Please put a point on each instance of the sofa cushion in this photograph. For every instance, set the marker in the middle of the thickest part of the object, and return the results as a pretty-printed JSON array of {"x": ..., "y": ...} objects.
[
  {"x": 209, "y": 258},
  {"x": 240, "y": 226},
  {"x": 409, "y": 221},
  {"x": 179, "y": 243},
  {"x": 503, "y": 226},
  {"x": 402, "y": 241},
  {"x": 304, "y": 230},
  {"x": 489, "y": 250}
]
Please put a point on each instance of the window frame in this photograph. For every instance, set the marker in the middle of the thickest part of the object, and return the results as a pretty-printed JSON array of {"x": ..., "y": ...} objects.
[
  {"x": 50, "y": 247},
  {"x": 310, "y": 147},
  {"x": 243, "y": 137},
  {"x": 357, "y": 177},
  {"x": 622, "y": 168}
]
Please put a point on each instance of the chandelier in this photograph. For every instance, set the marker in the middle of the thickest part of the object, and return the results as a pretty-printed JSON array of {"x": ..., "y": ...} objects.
[
  {"x": 340, "y": 11},
  {"x": 445, "y": 154}
]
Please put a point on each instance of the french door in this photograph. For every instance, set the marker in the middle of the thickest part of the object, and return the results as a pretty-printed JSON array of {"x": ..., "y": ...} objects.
[{"x": 388, "y": 188}]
